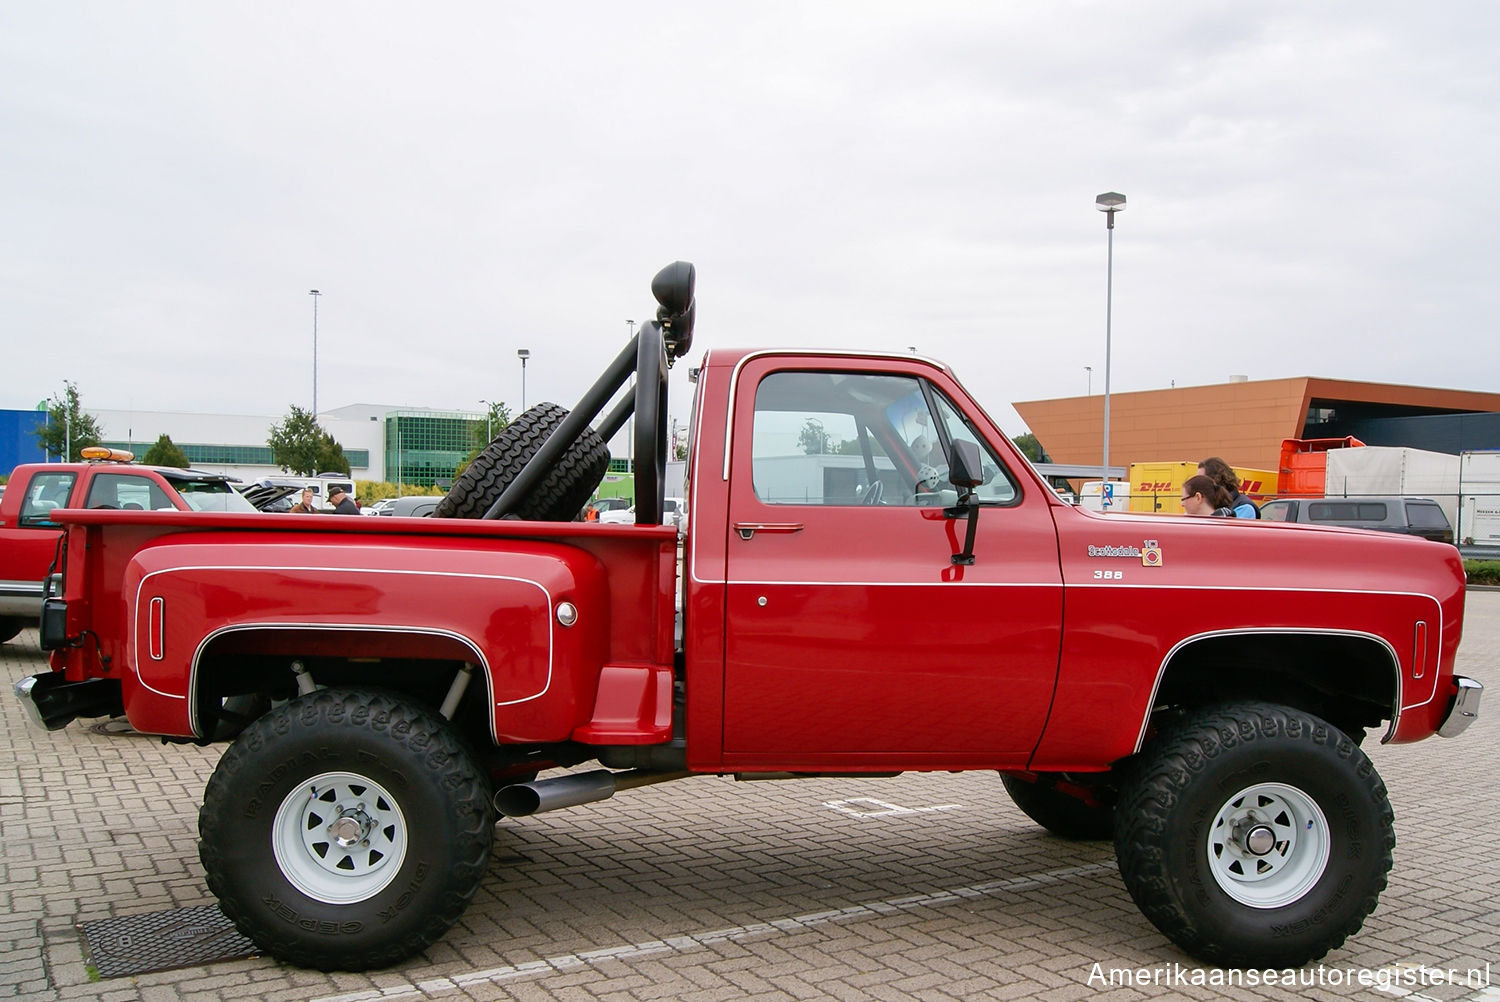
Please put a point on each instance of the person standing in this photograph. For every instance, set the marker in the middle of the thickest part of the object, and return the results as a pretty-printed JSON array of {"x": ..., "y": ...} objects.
[
  {"x": 1203, "y": 497},
  {"x": 305, "y": 505},
  {"x": 342, "y": 503},
  {"x": 1223, "y": 474}
]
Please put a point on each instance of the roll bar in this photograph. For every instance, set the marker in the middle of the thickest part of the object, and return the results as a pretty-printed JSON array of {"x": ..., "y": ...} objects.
[{"x": 649, "y": 355}]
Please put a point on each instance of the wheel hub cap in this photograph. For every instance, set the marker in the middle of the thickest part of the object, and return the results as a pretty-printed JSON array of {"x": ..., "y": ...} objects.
[
  {"x": 1268, "y": 845},
  {"x": 340, "y": 837}
]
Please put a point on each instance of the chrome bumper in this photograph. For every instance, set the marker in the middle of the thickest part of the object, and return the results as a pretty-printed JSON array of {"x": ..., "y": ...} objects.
[{"x": 1465, "y": 708}]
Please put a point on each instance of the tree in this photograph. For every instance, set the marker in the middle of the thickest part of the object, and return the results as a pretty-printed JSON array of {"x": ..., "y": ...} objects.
[
  {"x": 813, "y": 439},
  {"x": 166, "y": 453},
  {"x": 300, "y": 445},
  {"x": 1031, "y": 448},
  {"x": 497, "y": 418},
  {"x": 67, "y": 430}
]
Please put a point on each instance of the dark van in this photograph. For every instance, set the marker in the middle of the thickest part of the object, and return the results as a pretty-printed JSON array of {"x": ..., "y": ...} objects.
[{"x": 1413, "y": 516}]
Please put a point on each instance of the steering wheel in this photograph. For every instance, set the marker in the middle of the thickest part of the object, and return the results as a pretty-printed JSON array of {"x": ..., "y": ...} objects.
[{"x": 874, "y": 492}]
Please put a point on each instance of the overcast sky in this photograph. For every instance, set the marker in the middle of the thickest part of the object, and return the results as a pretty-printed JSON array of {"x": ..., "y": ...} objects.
[{"x": 1310, "y": 193}]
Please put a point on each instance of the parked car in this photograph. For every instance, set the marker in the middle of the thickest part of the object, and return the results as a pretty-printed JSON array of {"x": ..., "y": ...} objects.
[
  {"x": 674, "y": 513},
  {"x": 601, "y": 505},
  {"x": 377, "y": 507},
  {"x": 1412, "y": 516},
  {"x": 412, "y": 506}
]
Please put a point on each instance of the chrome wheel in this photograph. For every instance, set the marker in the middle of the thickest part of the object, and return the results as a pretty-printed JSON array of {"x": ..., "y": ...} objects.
[
  {"x": 1268, "y": 845},
  {"x": 339, "y": 838}
]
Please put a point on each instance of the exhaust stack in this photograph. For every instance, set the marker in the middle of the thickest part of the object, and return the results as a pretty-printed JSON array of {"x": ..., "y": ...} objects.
[{"x": 525, "y": 799}]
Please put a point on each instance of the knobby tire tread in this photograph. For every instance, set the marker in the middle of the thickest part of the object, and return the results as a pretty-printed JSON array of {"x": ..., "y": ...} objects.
[
  {"x": 1161, "y": 777},
  {"x": 421, "y": 735}
]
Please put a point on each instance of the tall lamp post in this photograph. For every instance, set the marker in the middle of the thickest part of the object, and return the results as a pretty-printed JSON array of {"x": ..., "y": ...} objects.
[
  {"x": 1108, "y": 203},
  {"x": 1090, "y": 370},
  {"x": 315, "y": 294},
  {"x": 523, "y": 354},
  {"x": 630, "y": 424},
  {"x": 488, "y": 410}
]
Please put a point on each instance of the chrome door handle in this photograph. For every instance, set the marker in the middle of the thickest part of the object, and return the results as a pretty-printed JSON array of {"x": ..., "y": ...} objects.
[{"x": 748, "y": 529}]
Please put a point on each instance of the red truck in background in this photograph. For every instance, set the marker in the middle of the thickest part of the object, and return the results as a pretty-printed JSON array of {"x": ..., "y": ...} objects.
[
  {"x": 29, "y": 536},
  {"x": 873, "y": 580}
]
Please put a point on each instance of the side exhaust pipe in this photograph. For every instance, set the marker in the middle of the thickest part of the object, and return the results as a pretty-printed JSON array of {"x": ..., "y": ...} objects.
[{"x": 525, "y": 799}]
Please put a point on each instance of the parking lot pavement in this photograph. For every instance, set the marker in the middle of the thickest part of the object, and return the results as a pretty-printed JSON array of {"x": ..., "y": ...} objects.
[{"x": 925, "y": 886}]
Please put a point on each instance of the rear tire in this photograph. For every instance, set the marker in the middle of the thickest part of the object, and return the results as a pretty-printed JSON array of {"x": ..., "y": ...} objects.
[
  {"x": 346, "y": 830},
  {"x": 1254, "y": 835},
  {"x": 1059, "y": 812},
  {"x": 562, "y": 493}
]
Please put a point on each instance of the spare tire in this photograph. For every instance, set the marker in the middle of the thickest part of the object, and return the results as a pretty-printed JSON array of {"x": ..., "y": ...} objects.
[{"x": 562, "y": 493}]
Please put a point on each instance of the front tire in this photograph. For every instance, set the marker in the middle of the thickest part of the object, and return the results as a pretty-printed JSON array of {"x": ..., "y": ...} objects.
[
  {"x": 10, "y": 627},
  {"x": 346, "y": 830},
  {"x": 1254, "y": 835}
]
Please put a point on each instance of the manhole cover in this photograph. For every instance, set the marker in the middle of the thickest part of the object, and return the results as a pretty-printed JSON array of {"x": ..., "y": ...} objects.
[{"x": 160, "y": 941}]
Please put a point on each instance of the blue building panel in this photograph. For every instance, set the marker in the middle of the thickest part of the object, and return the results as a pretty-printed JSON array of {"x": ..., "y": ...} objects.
[{"x": 18, "y": 442}]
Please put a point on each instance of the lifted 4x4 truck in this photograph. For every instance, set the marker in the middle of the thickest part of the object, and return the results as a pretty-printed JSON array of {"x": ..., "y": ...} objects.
[{"x": 917, "y": 600}]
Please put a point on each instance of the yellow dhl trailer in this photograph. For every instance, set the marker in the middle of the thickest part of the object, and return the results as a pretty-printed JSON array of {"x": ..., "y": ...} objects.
[{"x": 1157, "y": 487}]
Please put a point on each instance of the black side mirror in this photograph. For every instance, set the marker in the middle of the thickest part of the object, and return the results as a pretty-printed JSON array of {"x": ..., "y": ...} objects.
[{"x": 965, "y": 467}]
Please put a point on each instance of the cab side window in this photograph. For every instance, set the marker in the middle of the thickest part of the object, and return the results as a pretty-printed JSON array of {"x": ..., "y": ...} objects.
[
  {"x": 857, "y": 438},
  {"x": 46, "y": 492},
  {"x": 128, "y": 491}
]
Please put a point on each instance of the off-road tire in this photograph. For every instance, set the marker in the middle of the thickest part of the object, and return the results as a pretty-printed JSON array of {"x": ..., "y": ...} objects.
[
  {"x": 1326, "y": 808},
  {"x": 1061, "y": 813},
  {"x": 10, "y": 627},
  {"x": 266, "y": 842},
  {"x": 560, "y": 496}
]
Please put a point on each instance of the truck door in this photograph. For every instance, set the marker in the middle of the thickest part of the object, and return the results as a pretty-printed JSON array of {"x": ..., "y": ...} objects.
[{"x": 851, "y": 635}]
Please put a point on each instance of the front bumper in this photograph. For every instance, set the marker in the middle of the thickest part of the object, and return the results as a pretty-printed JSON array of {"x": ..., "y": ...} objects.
[{"x": 1465, "y": 708}]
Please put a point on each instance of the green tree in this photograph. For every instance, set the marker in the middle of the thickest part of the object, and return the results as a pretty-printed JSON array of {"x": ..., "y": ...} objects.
[
  {"x": 497, "y": 418},
  {"x": 166, "y": 453},
  {"x": 300, "y": 445},
  {"x": 67, "y": 428},
  {"x": 1031, "y": 448},
  {"x": 813, "y": 439}
]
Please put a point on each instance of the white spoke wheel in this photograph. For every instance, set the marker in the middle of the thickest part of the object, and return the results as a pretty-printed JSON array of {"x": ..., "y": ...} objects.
[
  {"x": 346, "y": 830},
  {"x": 339, "y": 837},
  {"x": 1268, "y": 845},
  {"x": 1253, "y": 835}
]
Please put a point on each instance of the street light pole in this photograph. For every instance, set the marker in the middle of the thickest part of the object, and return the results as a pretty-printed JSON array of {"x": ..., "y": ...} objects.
[
  {"x": 630, "y": 424},
  {"x": 488, "y": 437},
  {"x": 523, "y": 354},
  {"x": 1108, "y": 203},
  {"x": 315, "y": 294},
  {"x": 1090, "y": 370}
]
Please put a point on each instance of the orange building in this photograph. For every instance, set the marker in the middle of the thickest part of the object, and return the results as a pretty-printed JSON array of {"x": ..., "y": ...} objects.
[{"x": 1241, "y": 421}]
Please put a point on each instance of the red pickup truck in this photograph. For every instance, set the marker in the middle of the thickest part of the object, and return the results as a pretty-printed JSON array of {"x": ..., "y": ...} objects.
[
  {"x": 28, "y": 535},
  {"x": 874, "y": 580}
]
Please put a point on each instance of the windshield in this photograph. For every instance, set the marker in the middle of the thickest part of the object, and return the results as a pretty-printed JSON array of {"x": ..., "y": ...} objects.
[{"x": 211, "y": 495}]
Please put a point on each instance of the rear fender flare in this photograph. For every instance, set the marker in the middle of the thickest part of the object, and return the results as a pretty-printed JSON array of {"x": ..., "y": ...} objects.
[{"x": 479, "y": 660}]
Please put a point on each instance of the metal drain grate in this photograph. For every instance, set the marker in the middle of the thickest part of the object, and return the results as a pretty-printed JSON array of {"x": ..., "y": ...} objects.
[{"x": 160, "y": 941}]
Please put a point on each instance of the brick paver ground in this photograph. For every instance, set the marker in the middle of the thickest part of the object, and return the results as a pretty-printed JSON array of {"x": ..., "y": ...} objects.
[{"x": 921, "y": 887}]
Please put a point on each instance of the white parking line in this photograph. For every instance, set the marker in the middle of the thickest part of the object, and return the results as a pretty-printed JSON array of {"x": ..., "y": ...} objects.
[
  {"x": 696, "y": 941},
  {"x": 881, "y": 809}
]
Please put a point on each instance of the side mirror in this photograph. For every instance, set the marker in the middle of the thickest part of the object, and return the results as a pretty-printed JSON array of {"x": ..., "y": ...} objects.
[{"x": 965, "y": 467}]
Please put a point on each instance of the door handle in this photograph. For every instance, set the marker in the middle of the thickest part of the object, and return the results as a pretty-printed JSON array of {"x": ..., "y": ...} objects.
[{"x": 748, "y": 529}]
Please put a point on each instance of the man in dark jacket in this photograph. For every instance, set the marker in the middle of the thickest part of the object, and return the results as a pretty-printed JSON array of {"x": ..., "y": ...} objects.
[{"x": 342, "y": 503}]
